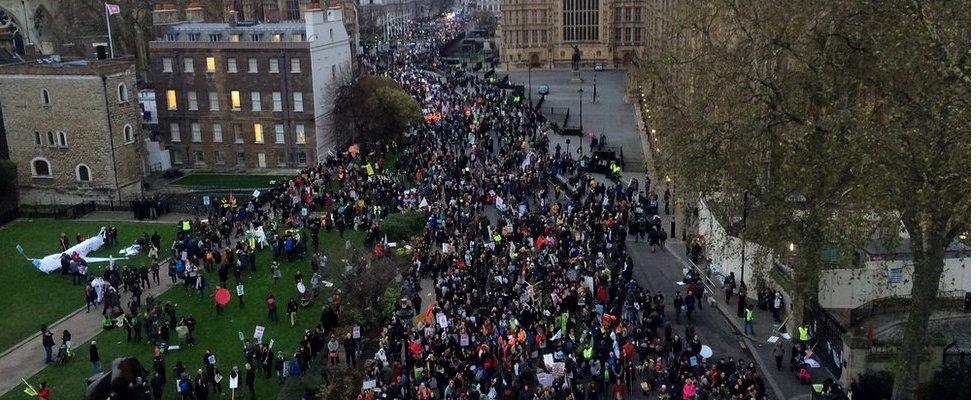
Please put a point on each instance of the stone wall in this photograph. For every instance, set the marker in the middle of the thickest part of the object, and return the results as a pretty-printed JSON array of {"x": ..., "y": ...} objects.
[{"x": 77, "y": 108}]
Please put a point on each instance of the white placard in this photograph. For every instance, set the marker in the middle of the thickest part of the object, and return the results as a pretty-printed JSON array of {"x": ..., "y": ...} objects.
[
  {"x": 259, "y": 333},
  {"x": 465, "y": 341},
  {"x": 240, "y": 289},
  {"x": 356, "y": 332},
  {"x": 442, "y": 320},
  {"x": 232, "y": 382}
]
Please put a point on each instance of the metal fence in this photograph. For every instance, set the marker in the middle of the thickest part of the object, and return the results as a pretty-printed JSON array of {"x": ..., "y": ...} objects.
[{"x": 828, "y": 336}]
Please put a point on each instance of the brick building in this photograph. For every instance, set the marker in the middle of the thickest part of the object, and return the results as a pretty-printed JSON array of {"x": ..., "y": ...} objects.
[
  {"x": 72, "y": 129},
  {"x": 542, "y": 33},
  {"x": 252, "y": 95}
]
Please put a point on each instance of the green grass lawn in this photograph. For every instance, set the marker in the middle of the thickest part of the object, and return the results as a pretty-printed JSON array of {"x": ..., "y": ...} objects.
[
  {"x": 216, "y": 333},
  {"x": 31, "y": 297},
  {"x": 229, "y": 181}
]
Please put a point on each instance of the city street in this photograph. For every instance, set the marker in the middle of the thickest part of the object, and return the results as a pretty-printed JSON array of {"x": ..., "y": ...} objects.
[{"x": 610, "y": 115}]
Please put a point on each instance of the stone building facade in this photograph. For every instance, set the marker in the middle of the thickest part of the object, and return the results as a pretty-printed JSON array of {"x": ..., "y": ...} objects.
[
  {"x": 545, "y": 33},
  {"x": 249, "y": 96},
  {"x": 73, "y": 130}
]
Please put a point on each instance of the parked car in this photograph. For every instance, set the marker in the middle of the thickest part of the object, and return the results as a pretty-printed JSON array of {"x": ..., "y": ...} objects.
[
  {"x": 598, "y": 67},
  {"x": 543, "y": 89}
]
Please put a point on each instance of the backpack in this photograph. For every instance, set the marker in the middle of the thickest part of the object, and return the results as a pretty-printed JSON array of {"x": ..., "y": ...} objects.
[{"x": 184, "y": 386}]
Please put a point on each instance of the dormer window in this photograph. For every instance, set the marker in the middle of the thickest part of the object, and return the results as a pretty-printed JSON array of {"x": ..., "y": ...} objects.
[{"x": 214, "y": 37}]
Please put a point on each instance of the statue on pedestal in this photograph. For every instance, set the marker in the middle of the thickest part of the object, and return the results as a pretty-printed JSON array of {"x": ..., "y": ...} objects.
[{"x": 576, "y": 58}]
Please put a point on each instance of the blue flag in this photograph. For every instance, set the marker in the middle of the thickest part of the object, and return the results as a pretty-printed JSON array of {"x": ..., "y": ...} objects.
[{"x": 20, "y": 249}]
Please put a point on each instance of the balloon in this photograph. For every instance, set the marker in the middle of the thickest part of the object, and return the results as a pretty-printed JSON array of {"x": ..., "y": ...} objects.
[{"x": 222, "y": 296}]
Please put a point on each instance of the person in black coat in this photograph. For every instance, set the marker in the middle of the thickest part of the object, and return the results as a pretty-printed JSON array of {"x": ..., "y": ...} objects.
[
  {"x": 158, "y": 382},
  {"x": 249, "y": 378},
  {"x": 94, "y": 358}
]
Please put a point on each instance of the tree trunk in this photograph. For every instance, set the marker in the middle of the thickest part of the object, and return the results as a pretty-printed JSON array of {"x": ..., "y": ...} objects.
[{"x": 928, "y": 250}]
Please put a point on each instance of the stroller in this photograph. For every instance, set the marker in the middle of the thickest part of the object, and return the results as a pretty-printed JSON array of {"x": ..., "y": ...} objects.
[
  {"x": 64, "y": 355},
  {"x": 305, "y": 293}
]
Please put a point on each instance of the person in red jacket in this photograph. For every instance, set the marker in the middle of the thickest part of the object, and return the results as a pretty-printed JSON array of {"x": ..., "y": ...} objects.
[
  {"x": 619, "y": 390},
  {"x": 44, "y": 393}
]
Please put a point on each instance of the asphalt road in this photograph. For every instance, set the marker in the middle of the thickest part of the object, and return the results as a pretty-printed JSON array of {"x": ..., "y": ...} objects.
[{"x": 659, "y": 270}]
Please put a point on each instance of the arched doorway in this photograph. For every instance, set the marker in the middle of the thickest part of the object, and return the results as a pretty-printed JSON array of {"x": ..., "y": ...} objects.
[{"x": 534, "y": 60}]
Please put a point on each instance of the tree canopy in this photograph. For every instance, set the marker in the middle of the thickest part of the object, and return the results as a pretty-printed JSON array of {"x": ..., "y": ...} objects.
[
  {"x": 845, "y": 121},
  {"x": 373, "y": 108}
]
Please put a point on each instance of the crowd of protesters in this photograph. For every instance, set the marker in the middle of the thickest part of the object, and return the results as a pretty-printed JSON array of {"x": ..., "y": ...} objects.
[{"x": 534, "y": 294}]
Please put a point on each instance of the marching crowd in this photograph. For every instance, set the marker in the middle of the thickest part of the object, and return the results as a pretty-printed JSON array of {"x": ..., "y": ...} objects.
[{"x": 534, "y": 294}]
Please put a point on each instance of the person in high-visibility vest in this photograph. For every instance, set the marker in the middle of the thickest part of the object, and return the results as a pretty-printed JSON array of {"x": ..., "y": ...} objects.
[
  {"x": 804, "y": 333},
  {"x": 186, "y": 225},
  {"x": 750, "y": 316}
]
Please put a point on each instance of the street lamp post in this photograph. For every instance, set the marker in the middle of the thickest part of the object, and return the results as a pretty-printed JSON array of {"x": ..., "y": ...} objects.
[
  {"x": 530, "y": 81},
  {"x": 594, "y": 87},
  {"x": 742, "y": 237},
  {"x": 579, "y": 151}
]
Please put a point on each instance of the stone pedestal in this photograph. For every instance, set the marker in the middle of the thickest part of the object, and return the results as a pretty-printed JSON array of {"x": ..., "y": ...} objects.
[{"x": 576, "y": 78}]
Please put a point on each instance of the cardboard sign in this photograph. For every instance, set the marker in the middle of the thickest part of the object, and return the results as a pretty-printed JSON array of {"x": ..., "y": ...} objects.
[
  {"x": 232, "y": 382},
  {"x": 212, "y": 359},
  {"x": 356, "y": 332},
  {"x": 548, "y": 360},
  {"x": 240, "y": 335},
  {"x": 545, "y": 379},
  {"x": 206, "y": 200},
  {"x": 465, "y": 341},
  {"x": 442, "y": 320},
  {"x": 271, "y": 345},
  {"x": 240, "y": 290},
  {"x": 256, "y": 193},
  {"x": 558, "y": 369},
  {"x": 259, "y": 333}
]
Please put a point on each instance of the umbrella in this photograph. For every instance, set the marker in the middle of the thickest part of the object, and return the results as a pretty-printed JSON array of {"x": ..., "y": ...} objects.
[
  {"x": 222, "y": 296},
  {"x": 706, "y": 352}
]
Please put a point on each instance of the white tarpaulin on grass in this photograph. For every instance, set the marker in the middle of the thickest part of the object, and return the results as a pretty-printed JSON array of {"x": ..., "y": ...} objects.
[{"x": 53, "y": 261}]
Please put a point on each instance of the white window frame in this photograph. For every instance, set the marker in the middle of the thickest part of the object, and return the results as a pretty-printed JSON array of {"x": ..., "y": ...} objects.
[
  {"x": 296, "y": 66},
  {"x": 46, "y": 97},
  {"x": 50, "y": 173},
  {"x": 231, "y": 65},
  {"x": 78, "y": 173},
  {"x": 275, "y": 101},
  {"x": 62, "y": 139},
  {"x": 191, "y": 101},
  {"x": 188, "y": 65},
  {"x": 123, "y": 93},
  {"x": 218, "y": 133},
  {"x": 214, "y": 101},
  {"x": 273, "y": 66},
  {"x": 252, "y": 65},
  {"x": 257, "y": 129},
  {"x": 174, "y": 132},
  {"x": 300, "y": 134},
  {"x": 128, "y": 136},
  {"x": 255, "y": 101},
  {"x": 196, "y": 136},
  {"x": 298, "y": 102},
  {"x": 238, "y": 105},
  {"x": 167, "y": 65},
  {"x": 279, "y": 133}
]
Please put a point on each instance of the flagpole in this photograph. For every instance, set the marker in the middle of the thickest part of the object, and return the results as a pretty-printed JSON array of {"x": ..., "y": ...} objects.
[{"x": 108, "y": 23}]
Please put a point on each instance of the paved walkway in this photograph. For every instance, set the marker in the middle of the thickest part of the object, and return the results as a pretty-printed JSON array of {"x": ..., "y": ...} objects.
[
  {"x": 26, "y": 358},
  {"x": 127, "y": 217}
]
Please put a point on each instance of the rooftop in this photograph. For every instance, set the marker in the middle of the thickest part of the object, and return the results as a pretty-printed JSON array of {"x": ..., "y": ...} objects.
[
  {"x": 54, "y": 65},
  {"x": 285, "y": 31}
]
